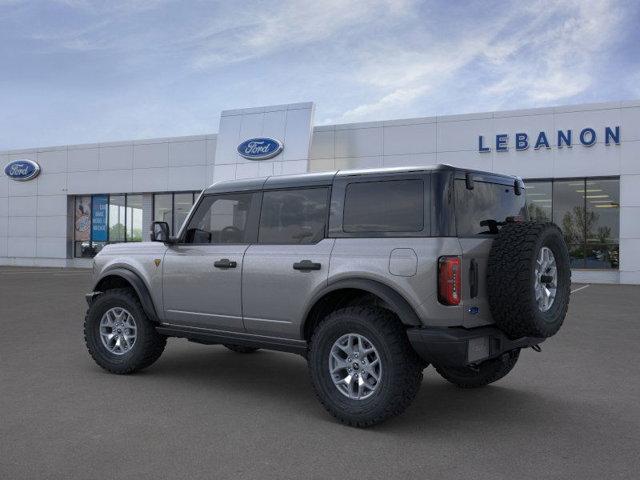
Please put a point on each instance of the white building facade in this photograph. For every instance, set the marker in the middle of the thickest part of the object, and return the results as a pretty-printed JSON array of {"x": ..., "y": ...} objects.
[{"x": 581, "y": 165}]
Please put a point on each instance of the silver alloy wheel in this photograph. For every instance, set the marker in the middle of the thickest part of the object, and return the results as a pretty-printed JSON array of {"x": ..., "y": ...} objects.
[
  {"x": 354, "y": 366},
  {"x": 546, "y": 279},
  {"x": 118, "y": 330}
]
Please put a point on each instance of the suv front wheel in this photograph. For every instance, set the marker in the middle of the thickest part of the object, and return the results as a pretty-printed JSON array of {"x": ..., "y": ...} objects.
[
  {"x": 119, "y": 335},
  {"x": 362, "y": 366}
]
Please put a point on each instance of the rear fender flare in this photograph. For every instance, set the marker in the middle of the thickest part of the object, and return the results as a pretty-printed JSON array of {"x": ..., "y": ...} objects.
[{"x": 396, "y": 302}]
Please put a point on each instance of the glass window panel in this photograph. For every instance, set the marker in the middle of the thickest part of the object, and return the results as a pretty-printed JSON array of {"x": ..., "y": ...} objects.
[
  {"x": 134, "y": 218},
  {"x": 604, "y": 256},
  {"x": 182, "y": 204},
  {"x": 163, "y": 209},
  {"x": 478, "y": 209},
  {"x": 386, "y": 206},
  {"x": 83, "y": 249},
  {"x": 82, "y": 228},
  {"x": 99, "y": 214},
  {"x": 539, "y": 200},
  {"x": 117, "y": 216},
  {"x": 576, "y": 255},
  {"x": 220, "y": 219},
  {"x": 293, "y": 216},
  {"x": 568, "y": 209},
  {"x": 603, "y": 211}
]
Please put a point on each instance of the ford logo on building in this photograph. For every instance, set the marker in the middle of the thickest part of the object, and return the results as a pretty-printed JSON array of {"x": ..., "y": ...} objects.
[
  {"x": 22, "y": 170},
  {"x": 260, "y": 148}
]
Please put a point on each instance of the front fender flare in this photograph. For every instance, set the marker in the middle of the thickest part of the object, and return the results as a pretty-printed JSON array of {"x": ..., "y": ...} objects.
[{"x": 138, "y": 285}]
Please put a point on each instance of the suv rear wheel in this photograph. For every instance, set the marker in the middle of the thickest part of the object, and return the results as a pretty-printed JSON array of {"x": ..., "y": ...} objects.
[
  {"x": 483, "y": 374},
  {"x": 119, "y": 335},
  {"x": 362, "y": 366}
]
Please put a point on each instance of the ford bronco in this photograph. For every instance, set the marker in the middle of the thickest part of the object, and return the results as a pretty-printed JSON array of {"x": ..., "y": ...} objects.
[{"x": 371, "y": 275}]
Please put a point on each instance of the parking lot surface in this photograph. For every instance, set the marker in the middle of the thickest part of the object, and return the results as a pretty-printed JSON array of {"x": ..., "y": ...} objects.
[{"x": 572, "y": 411}]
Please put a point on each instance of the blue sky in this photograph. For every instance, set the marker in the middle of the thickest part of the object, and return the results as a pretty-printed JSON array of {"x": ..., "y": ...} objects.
[{"x": 77, "y": 71}]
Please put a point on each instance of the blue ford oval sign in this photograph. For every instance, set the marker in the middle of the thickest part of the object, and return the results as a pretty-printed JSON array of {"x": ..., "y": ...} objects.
[
  {"x": 22, "y": 170},
  {"x": 260, "y": 148}
]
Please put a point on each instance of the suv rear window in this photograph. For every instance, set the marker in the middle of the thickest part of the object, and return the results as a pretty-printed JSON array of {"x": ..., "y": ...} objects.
[
  {"x": 486, "y": 203},
  {"x": 384, "y": 206}
]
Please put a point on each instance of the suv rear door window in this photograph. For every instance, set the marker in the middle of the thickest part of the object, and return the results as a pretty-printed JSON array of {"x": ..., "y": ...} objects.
[
  {"x": 295, "y": 216},
  {"x": 479, "y": 211},
  {"x": 384, "y": 206}
]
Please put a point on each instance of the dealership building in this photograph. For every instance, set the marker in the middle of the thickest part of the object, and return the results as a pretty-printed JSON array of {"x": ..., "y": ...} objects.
[{"x": 581, "y": 164}]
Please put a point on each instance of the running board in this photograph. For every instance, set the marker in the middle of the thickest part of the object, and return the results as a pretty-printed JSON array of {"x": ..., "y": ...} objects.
[{"x": 212, "y": 337}]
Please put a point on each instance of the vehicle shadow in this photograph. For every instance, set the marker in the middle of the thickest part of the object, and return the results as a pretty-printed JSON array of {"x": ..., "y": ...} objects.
[{"x": 280, "y": 381}]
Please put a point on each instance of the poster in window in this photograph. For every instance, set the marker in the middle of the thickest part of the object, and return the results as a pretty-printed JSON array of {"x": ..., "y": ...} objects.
[
  {"x": 83, "y": 219},
  {"x": 99, "y": 208}
]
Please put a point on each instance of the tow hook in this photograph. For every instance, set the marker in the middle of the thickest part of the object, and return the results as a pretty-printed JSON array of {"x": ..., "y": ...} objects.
[{"x": 536, "y": 348}]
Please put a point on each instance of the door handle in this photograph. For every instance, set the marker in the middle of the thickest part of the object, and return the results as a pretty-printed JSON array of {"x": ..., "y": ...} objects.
[
  {"x": 224, "y": 263},
  {"x": 306, "y": 265}
]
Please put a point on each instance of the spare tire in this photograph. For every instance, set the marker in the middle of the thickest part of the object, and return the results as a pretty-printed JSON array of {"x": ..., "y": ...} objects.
[{"x": 529, "y": 279}]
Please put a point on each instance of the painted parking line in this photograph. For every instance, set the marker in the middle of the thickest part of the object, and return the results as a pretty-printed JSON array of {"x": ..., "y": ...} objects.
[{"x": 580, "y": 288}]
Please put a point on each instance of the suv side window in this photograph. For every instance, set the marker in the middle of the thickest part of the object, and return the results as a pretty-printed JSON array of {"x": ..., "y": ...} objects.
[
  {"x": 384, "y": 206},
  {"x": 220, "y": 219},
  {"x": 295, "y": 216}
]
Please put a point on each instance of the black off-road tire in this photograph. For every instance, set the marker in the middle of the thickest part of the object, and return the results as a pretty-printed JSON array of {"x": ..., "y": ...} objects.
[
  {"x": 240, "y": 348},
  {"x": 484, "y": 374},
  {"x": 148, "y": 346},
  {"x": 401, "y": 374},
  {"x": 511, "y": 280}
]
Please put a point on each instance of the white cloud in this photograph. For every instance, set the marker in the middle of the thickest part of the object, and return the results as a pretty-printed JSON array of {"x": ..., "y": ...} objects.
[
  {"x": 404, "y": 77},
  {"x": 160, "y": 67},
  {"x": 287, "y": 24},
  {"x": 544, "y": 52},
  {"x": 556, "y": 63},
  {"x": 398, "y": 98}
]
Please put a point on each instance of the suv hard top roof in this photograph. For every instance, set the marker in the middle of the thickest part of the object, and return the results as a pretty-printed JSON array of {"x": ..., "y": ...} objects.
[{"x": 326, "y": 178}]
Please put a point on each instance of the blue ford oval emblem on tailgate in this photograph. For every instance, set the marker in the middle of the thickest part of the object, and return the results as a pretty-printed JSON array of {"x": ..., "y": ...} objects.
[
  {"x": 22, "y": 170},
  {"x": 260, "y": 148}
]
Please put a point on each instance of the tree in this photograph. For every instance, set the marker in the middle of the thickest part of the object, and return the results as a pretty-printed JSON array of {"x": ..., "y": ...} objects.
[
  {"x": 116, "y": 232},
  {"x": 537, "y": 213},
  {"x": 576, "y": 223}
]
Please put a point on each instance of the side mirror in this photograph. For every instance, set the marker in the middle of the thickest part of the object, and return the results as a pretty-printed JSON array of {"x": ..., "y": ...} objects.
[{"x": 159, "y": 232}]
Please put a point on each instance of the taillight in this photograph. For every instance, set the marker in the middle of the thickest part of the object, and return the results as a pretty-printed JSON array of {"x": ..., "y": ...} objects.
[{"x": 449, "y": 280}]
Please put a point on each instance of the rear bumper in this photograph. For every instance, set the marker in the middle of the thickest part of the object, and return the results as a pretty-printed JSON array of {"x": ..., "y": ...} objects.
[{"x": 459, "y": 347}]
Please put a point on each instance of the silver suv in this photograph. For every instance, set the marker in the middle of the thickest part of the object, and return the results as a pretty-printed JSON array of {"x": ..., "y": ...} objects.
[{"x": 371, "y": 275}]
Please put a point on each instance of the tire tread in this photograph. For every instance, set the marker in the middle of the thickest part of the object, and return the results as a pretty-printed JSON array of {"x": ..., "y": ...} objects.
[
  {"x": 405, "y": 386},
  {"x": 151, "y": 344},
  {"x": 509, "y": 280}
]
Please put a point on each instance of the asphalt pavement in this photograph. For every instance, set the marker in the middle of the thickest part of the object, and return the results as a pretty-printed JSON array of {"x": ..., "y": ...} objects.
[{"x": 571, "y": 411}]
